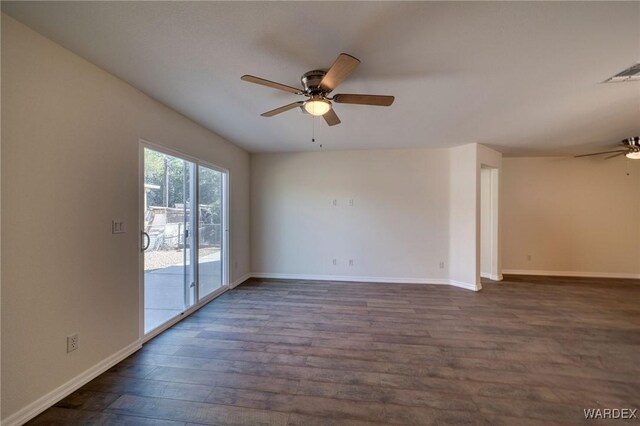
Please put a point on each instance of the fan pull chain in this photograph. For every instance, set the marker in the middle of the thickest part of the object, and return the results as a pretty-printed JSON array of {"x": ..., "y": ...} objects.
[
  {"x": 313, "y": 130},
  {"x": 628, "y": 173}
]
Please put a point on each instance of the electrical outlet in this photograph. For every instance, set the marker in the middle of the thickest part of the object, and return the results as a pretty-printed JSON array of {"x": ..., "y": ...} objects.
[
  {"x": 528, "y": 258},
  {"x": 73, "y": 342},
  {"x": 441, "y": 265},
  {"x": 334, "y": 203},
  {"x": 350, "y": 262},
  {"x": 334, "y": 262},
  {"x": 351, "y": 203}
]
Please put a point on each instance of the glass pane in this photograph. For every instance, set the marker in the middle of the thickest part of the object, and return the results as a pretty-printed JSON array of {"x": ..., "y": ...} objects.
[
  {"x": 210, "y": 232},
  {"x": 168, "y": 268}
]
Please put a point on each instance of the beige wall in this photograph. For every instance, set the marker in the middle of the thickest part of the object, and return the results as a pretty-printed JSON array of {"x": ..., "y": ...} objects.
[
  {"x": 70, "y": 136},
  {"x": 412, "y": 209},
  {"x": 575, "y": 215},
  {"x": 397, "y": 227}
]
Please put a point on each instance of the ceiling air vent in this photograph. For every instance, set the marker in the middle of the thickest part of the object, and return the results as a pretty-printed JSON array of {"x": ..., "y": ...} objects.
[{"x": 630, "y": 74}]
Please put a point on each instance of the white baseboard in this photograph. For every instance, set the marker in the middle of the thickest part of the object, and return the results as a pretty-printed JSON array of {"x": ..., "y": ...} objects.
[
  {"x": 41, "y": 404},
  {"x": 571, "y": 274},
  {"x": 466, "y": 286},
  {"x": 491, "y": 276},
  {"x": 349, "y": 278},
  {"x": 365, "y": 279},
  {"x": 240, "y": 280}
]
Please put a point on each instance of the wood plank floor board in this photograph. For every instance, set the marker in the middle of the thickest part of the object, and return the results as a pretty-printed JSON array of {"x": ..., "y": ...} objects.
[
  {"x": 215, "y": 378},
  {"x": 89, "y": 400},
  {"x": 65, "y": 416},
  {"x": 112, "y": 384},
  {"x": 406, "y": 397},
  {"x": 244, "y": 355},
  {"x": 178, "y": 337},
  {"x": 526, "y": 351},
  {"x": 186, "y": 411},
  {"x": 307, "y": 420},
  {"x": 126, "y": 369}
]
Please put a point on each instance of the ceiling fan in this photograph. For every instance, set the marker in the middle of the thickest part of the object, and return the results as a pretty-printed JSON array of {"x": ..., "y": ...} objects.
[
  {"x": 316, "y": 86},
  {"x": 632, "y": 149}
]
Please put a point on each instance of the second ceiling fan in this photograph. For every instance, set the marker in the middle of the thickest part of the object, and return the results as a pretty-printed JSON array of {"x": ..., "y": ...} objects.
[
  {"x": 631, "y": 149},
  {"x": 317, "y": 85}
]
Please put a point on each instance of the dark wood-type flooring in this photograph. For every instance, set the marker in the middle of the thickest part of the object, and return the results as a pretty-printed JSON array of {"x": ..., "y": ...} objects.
[{"x": 528, "y": 350}]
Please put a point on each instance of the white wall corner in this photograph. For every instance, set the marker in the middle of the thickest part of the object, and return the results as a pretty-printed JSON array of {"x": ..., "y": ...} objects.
[
  {"x": 38, "y": 406},
  {"x": 489, "y": 161},
  {"x": 466, "y": 286},
  {"x": 491, "y": 276}
]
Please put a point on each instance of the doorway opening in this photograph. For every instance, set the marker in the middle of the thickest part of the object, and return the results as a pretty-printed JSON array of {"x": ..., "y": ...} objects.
[{"x": 489, "y": 236}]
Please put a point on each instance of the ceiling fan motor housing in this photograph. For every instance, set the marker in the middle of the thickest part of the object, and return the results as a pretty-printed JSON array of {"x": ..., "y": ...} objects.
[
  {"x": 633, "y": 142},
  {"x": 311, "y": 82}
]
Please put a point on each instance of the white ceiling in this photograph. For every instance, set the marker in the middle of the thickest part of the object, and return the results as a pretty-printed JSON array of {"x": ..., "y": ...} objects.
[{"x": 524, "y": 78}]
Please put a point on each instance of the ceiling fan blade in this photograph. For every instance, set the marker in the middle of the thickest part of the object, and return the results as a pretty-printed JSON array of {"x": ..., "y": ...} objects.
[
  {"x": 341, "y": 68},
  {"x": 331, "y": 118},
  {"x": 272, "y": 84},
  {"x": 282, "y": 109},
  {"x": 377, "y": 100},
  {"x": 598, "y": 153},
  {"x": 616, "y": 155}
]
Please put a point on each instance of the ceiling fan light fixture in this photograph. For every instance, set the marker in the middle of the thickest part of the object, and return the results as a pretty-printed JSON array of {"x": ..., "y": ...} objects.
[
  {"x": 635, "y": 155},
  {"x": 317, "y": 106},
  {"x": 316, "y": 85}
]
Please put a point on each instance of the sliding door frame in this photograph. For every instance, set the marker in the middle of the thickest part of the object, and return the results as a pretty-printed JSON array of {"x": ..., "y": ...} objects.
[{"x": 225, "y": 246}]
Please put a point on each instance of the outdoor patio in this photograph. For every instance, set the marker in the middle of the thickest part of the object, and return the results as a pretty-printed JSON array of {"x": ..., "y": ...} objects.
[{"x": 164, "y": 285}]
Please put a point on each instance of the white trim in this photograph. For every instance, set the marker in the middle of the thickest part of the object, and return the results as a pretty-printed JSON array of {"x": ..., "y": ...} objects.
[
  {"x": 240, "y": 280},
  {"x": 141, "y": 147},
  {"x": 226, "y": 223},
  {"x": 166, "y": 150},
  {"x": 572, "y": 274},
  {"x": 494, "y": 212},
  {"x": 381, "y": 280},
  {"x": 491, "y": 276},
  {"x": 466, "y": 286},
  {"x": 46, "y": 401},
  {"x": 226, "y": 217},
  {"x": 348, "y": 278}
]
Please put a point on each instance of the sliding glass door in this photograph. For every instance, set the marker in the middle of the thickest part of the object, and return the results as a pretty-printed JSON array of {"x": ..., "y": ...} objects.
[
  {"x": 210, "y": 230},
  {"x": 183, "y": 235}
]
